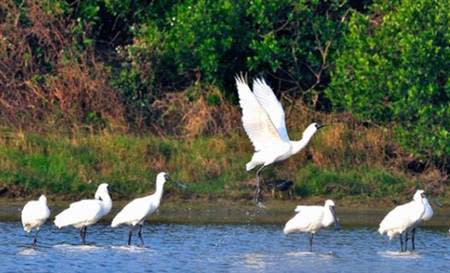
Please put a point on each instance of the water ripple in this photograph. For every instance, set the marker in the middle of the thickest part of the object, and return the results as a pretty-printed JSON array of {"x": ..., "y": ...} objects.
[{"x": 219, "y": 248}]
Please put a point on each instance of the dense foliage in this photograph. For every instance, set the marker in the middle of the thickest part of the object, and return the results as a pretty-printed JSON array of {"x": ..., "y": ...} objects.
[
  {"x": 393, "y": 68},
  {"x": 167, "y": 66}
]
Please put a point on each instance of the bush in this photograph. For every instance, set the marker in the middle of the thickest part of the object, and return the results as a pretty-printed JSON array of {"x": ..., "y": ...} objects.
[
  {"x": 393, "y": 69},
  {"x": 211, "y": 41}
]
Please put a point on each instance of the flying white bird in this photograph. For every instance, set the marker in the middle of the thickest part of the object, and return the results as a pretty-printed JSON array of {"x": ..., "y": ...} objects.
[
  {"x": 86, "y": 212},
  {"x": 34, "y": 214},
  {"x": 264, "y": 123},
  {"x": 135, "y": 212},
  {"x": 425, "y": 217},
  {"x": 311, "y": 219},
  {"x": 403, "y": 218}
]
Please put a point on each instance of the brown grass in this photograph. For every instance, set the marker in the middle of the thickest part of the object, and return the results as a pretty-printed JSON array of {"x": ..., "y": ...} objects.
[{"x": 45, "y": 78}]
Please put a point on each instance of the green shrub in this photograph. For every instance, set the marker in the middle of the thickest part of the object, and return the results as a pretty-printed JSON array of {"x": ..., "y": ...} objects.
[
  {"x": 393, "y": 69},
  {"x": 211, "y": 41}
]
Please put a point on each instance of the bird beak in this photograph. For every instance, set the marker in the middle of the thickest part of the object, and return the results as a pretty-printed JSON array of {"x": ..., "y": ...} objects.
[
  {"x": 112, "y": 190},
  {"x": 436, "y": 202},
  {"x": 179, "y": 185},
  {"x": 321, "y": 126},
  {"x": 176, "y": 183},
  {"x": 337, "y": 226}
]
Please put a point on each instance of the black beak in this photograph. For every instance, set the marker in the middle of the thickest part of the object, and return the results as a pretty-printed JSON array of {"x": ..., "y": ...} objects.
[
  {"x": 167, "y": 177},
  {"x": 437, "y": 203},
  {"x": 321, "y": 126},
  {"x": 337, "y": 226}
]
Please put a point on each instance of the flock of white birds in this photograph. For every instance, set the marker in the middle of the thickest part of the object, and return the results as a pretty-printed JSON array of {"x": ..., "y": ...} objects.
[{"x": 264, "y": 122}]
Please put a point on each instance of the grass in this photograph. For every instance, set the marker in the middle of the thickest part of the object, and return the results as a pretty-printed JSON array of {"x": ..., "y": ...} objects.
[{"x": 211, "y": 166}]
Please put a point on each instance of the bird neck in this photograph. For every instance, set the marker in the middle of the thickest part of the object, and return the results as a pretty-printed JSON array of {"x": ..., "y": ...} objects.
[
  {"x": 297, "y": 146},
  {"x": 328, "y": 217},
  {"x": 106, "y": 201},
  {"x": 159, "y": 190}
]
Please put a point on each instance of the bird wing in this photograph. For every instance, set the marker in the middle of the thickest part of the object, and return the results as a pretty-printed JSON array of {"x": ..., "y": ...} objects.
[
  {"x": 267, "y": 99},
  {"x": 128, "y": 214},
  {"x": 79, "y": 212},
  {"x": 134, "y": 212},
  {"x": 401, "y": 218},
  {"x": 257, "y": 123},
  {"x": 307, "y": 219}
]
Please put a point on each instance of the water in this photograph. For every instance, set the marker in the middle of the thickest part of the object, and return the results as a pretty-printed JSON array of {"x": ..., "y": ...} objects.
[{"x": 219, "y": 248}]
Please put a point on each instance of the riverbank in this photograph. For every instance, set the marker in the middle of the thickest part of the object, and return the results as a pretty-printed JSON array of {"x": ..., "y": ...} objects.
[
  {"x": 227, "y": 212},
  {"x": 340, "y": 163}
]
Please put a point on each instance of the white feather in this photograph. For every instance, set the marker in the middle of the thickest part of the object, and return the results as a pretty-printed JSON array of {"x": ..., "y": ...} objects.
[
  {"x": 35, "y": 213},
  {"x": 257, "y": 123},
  {"x": 137, "y": 210},
  {"x": 271, "y": 105},
  {"x": 404, "y": 217},
  {"x": 86, "y": 212},
  {"x": 311, "y": 218},
  {"x": 263, "y": 119}
]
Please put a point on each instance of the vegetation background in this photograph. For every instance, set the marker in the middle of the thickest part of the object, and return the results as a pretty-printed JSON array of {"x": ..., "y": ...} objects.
[{"x": 117, "y": 90}]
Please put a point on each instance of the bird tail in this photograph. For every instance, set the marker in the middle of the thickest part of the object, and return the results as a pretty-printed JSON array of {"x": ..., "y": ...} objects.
[
  {"x": 289, "y": 227},
  {"x": 62, "y": 219},
  {"x": 115, "y": 223},
  {"x": 250, "y": 165}
]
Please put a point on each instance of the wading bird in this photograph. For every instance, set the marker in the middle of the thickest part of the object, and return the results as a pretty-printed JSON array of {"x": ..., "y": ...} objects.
[
  {"x": 264, "y": 123},
  {"x": 135, "y": 212},
  {"x": 86, "y": 212},
  {"x": 311, "y": 219},
  {"x": 403, "y": 218},
  {"x": 34, "y": 214},
  {"x": 425, "y": 217}
]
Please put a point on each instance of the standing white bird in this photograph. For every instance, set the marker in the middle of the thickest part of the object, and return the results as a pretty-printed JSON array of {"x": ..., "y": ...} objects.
[
  {"x": 86, "y": 212},
  {"x": 34, "y": 214},
  {"x": 425, "y": 217},
  {"x": 264, "y": 122},
  {"x": 403, "y": 218},
  {"x": 311, "y": 219},
  {"x": 135, "y": 212}
]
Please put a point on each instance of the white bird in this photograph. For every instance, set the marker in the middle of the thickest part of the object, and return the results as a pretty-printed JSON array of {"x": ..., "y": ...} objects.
[
  {"x": 403, "y": 218},
  {"x": 86, "y": 212},
  {"x": 425, "y": 217},
  {"x": 311, "y": 219},
  {"x": 135, "y": 212},
  {"x": 34, "y": 214},
  {"x": 264, "y": 122}
]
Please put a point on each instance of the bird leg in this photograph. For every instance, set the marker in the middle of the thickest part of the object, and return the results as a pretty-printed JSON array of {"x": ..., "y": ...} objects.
[
  {"x": 258, "y": 198},
  {"x": 140, "y": 234},
  {"x": 406, "y": 241},
  {"x": 83, "y": 231},
  {"x": 129, "y": 235},
  {"x": 35, "y": 237},
  {"x": 401, "y": 242},
  {"x": 311, "y": 241},
  {"x": 412, "y": 238}
]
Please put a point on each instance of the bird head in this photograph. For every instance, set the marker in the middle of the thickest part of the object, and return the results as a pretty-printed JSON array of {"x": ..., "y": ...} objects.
[
  {"x": 419, "y": 195},
  {"x": 162, "y": 177},
  {"x": 101, "y": 190},
  {"x": 42, "y": 198},
  {"x": 312, "y": 129},
  {"x": 331, "y": 206}
]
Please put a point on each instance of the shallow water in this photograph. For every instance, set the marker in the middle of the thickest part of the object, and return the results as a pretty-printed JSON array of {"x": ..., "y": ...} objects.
[{"x": 219, "y": 248}]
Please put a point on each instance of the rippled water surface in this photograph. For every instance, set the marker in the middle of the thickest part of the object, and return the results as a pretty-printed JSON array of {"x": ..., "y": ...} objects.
[{"x": 219, "y": 248}]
